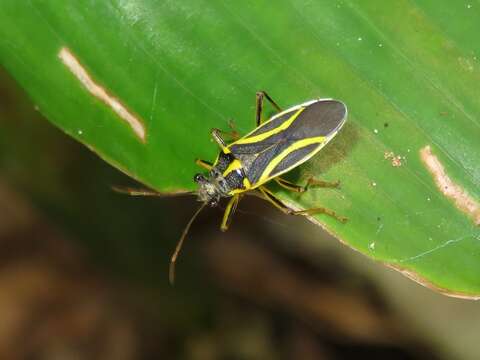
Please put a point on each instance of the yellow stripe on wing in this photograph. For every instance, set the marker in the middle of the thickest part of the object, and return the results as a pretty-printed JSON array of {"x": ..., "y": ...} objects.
[
  {"x": 278, "y": 159},
  {"x": 253, "y": 139}
]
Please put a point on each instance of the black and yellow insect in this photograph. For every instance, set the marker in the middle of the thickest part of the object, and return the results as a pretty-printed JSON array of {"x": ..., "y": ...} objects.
[{"x": 274, "y": 147}]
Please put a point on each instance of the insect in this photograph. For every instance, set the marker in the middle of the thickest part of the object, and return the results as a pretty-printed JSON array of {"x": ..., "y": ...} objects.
[{"x": 272, "y": 148}]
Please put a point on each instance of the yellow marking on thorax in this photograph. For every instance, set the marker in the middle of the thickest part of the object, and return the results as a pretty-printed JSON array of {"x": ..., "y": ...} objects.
[
  {"x": 263, "y": 136},
  {"x": 247, "y": 187},
  {"x": 234, "y": 165},
  {"x": 277, "y": 159},
  {"x": 246, "y": 183}
]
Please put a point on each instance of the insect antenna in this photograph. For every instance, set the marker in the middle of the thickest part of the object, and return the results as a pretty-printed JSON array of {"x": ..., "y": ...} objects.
[
  {"x": 148, "y": 192},
  {"x": 173, "y": 259}
]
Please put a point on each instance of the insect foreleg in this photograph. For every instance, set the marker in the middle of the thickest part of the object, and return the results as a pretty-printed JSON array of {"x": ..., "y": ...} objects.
[
  {"x": 310, "y": 182},
  {"x": 204, "y": 163},
  {"x": 259, "y": 106}
]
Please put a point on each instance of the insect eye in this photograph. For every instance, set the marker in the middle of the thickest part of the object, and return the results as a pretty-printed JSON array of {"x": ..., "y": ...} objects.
[{"x": 199, "y": 178}]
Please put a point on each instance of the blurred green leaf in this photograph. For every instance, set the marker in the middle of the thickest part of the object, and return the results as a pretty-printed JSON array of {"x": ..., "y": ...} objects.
[{"x": 408, "y": 71}]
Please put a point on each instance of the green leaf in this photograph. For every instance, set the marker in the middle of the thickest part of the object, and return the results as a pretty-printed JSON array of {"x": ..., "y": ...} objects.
[{"x": 408, "y": 71}]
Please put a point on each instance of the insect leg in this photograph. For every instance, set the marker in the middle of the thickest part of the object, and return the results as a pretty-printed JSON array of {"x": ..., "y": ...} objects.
[
  {"x": 229, "y": 211},
  {"x": 320, "y": 183},
  {"x": 321, "y": 210},
  {"x": 232, "y": 134},
  {"x": 284, "y": 208},
  {"x": 148, "y": 192},
  {"x": 173, "y": 259},
  {"x": 259, "y": 106},
  {"x": 268, "y": 195},
  {"x": 216, "y": 135},
  {"x": 204, "y": 163},
  {"x": 289, "y": 185},
  {"x": 310, "y": 182}
]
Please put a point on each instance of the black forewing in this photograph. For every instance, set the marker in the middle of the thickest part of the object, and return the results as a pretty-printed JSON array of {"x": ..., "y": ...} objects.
[
  {"x": 294, "y": 157},
  {"x": 320, "y": 118}
]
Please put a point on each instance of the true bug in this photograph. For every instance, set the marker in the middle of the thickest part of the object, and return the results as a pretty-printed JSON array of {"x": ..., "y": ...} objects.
[{"x": 274, "y": 147}]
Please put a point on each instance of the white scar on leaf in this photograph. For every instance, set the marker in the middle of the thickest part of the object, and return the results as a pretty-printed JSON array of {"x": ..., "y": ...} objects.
[
  {"x": 462, "y": 200},
  {"x": 72, "y": 63}
]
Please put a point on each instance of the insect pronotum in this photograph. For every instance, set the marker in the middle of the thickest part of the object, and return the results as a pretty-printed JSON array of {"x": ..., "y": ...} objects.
[{"x": 272, "y": 148}]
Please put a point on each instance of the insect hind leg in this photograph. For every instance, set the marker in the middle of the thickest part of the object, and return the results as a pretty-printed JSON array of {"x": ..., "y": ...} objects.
[
  {"x": 312, "y": 182},
  {"x": 270, "y": 197},
  {"x": 320, "y": 210}
]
